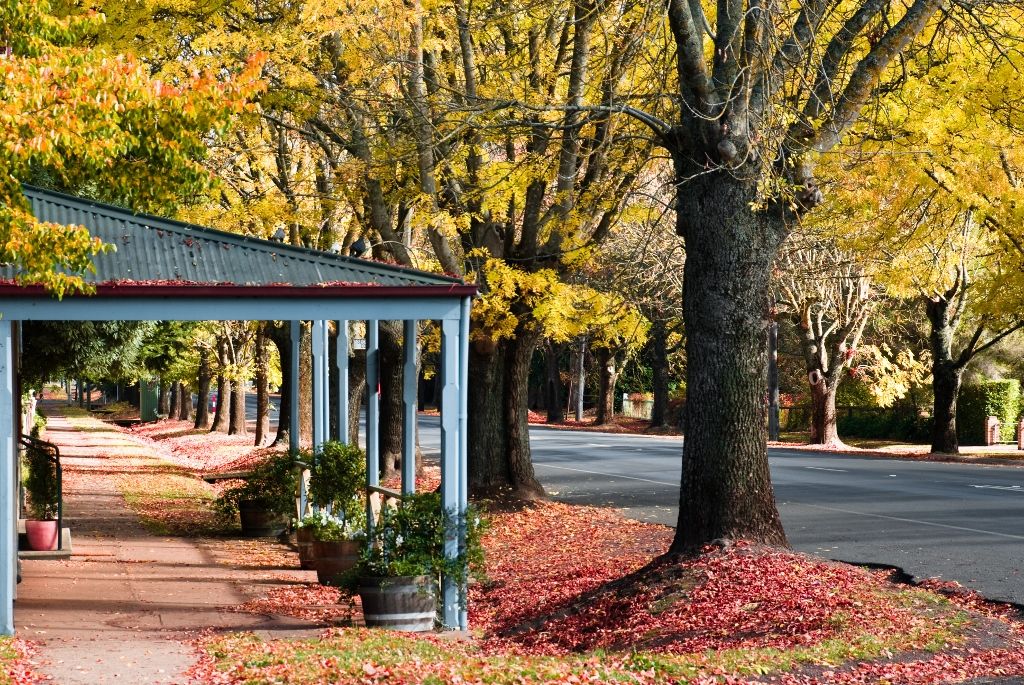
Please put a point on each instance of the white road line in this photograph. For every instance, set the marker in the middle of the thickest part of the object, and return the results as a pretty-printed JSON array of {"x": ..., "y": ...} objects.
[
  {"x": 903, "y": 520},
  {"x": 1008, "y": 488},
  {"x": 609, "y": 475},
  {"x": 822, "y": 468}
]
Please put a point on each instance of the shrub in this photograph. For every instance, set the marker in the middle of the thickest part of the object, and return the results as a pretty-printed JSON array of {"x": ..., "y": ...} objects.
[
  {"x": 337, "y": 476},
  {"x": 272, "y": 485},
  {"x": 977, "y": 401},
  {"x": 41, "y": 483},
  {"x": 408, "y": 540}
]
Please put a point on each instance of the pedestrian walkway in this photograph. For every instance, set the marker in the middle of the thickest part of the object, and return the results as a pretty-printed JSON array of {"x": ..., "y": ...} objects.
[{"x": 123, "y": 607}]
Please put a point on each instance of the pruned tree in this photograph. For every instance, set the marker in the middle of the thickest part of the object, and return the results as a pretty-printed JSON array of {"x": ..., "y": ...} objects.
[{"x": 830, "y": 297}]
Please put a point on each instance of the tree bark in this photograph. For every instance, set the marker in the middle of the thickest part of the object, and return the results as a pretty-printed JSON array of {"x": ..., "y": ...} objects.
[
  {"x": 390, "y": 427},
  {"x": 203, "y": 401},
  {"x": 237, "y": 424},
  {"x": 306, "y": 384},
  {"x": 946, "y": 381},
  {"x": 499, "y": 441},
  {"x": 947, "y": 374},
  {"x": 824, "y": 430},
  {"x": 356, "y": 391},
  {"x": 162, "y": 402},
  {"x": 553, "y": 394},
  {"x": 608, "y": 374},
  {"x": 185, "y": 402},
  {"x": 279, "y": 336},
  {"x": 261, "y": 363},
  {"x": 222, "y": 413},
  {"x": 174, "y": 396},
  {"x": 726, "y": 489},
  {"x": 659, "y": 374}
]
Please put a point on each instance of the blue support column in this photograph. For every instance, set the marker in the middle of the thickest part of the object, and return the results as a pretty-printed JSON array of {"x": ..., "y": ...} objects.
[
  {"x": 8, "y": 484},
  {"x": 341, "y": 363},
  {"x": 450, "y": 477},
  {"x": 295, "y": 330},
  {"x": 463, "y": 445},
  {"x": 319, "y": 386},
  {"x": 372, "y": 413},
  {"x": 293, "y": 386},
  {"x": 409, "y": 381}
]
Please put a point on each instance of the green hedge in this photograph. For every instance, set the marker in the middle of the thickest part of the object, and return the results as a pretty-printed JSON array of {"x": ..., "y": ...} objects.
[
  {"x": 981, "y": 400},
  {"x": 889, "y": 424}
]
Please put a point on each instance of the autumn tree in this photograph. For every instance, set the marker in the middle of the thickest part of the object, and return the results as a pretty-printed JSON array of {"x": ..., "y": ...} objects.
[
  {"x": 84, "y": 117},
  {"x": 764, "y": 90}
]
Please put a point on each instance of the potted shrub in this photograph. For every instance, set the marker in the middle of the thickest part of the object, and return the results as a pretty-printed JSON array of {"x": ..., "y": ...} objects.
[
  {"x": 265, "y": 501},
  {"x": 43, "y": 493},
  {"x": 403, "y": 561},
  {"x": 331, "y": 538}
]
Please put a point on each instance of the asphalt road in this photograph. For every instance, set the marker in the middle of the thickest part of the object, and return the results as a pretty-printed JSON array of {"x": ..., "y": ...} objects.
[{"x": 962, "y": 522}]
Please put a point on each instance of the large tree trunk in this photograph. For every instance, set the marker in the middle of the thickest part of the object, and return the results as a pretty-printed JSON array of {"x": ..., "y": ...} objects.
[
  {"x": 203, "y": 392},
  {"x": 279, "y": 336},
  {"x": 608, "y": 374},
  {"x": 946, "y": 380},
  {"x": 726, "y": 489},
  {"x": 390, "y": 430},
  {"x": 262, "y": 390},
  {"x": 356, "y": 392},
  {"x": 184, "y": 402},
  {"x": 173, "y": 398},
  {"x": 947, "y": 375},
  {"x": 659, "y": 374},
  {"x": 222, "y": 414},
  {"x": 824, "y": 430},
  {"x": 499, "y": 439},
  {"x": 306, "y": 384},
  {"x": 237, "y": 424},
  {"x": 162, "y": 403},
  {"x": 553, "y": 387}
]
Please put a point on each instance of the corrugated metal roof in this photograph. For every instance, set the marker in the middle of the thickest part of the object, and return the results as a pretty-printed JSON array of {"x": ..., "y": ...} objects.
[{"x": 152, "y": 249}]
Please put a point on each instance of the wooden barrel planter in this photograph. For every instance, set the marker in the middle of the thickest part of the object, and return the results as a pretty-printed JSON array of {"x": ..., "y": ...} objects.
[
  {"x": 258, "y": 522},
  {"x": 405, "y": 603},
  {"x": 304, "y": 540},
  {"x": 332, "y": 559}
]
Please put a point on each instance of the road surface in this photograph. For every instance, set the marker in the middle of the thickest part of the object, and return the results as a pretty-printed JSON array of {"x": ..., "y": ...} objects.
[{"x": 962, "y": 522}]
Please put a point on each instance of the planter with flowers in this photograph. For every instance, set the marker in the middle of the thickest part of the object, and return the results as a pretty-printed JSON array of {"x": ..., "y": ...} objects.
[
  {"x": 403, "y": 562},
  {"x": 331, "y": 538}
]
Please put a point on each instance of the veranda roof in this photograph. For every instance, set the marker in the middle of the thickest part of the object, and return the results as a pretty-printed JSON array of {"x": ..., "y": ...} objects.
[{"x": 164, "y": 256}]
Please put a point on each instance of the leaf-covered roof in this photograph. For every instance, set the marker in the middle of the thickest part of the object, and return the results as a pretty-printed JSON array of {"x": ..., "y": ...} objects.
[{"x": 152, "y": 250}]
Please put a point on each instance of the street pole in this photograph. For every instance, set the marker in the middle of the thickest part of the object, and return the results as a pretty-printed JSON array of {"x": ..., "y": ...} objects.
[{"x": 773, "y": 381}]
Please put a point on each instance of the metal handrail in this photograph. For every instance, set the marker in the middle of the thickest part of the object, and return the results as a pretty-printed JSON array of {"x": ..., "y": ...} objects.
[{"x": 53, "y": 452}]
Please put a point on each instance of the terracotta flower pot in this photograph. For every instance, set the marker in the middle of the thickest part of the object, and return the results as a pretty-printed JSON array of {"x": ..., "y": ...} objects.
[{"x": 42, "y": 535}]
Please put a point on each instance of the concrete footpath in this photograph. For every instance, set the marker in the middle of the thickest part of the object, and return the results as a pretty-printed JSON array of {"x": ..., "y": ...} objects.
[{"x": 123, "y": 607}]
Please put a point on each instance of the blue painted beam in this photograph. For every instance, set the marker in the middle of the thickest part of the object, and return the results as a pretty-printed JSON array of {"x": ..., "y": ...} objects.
[
  {"x": 410, "y": 380},
  {"x": 102, "y": 308},
  {"x": 8, "y": 485}
]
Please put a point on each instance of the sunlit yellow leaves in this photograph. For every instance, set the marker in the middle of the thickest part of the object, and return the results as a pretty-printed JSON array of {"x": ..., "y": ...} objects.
[{"x": 87, "y": 118}]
